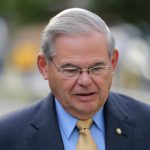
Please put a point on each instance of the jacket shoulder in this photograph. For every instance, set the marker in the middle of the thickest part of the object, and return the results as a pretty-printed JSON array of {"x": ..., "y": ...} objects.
[
  {"x": 135, "y": 109},
  {"x": 18, "y": 121},
  {"x": 18, "y": 117}
]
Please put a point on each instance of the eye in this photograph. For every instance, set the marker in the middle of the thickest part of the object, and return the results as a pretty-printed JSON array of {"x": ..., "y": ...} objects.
[
  {"x": 97, "y": 68},
  {"x": 70, "y": 71}
]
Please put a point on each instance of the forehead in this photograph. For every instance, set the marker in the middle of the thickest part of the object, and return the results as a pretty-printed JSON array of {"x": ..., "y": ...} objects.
[{"x": 81, "y": 47}]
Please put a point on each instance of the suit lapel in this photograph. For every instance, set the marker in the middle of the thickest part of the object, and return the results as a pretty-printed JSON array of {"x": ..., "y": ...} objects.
[
  {"x": 45, "y": 133},
  {"x": 119, "y": 133}
]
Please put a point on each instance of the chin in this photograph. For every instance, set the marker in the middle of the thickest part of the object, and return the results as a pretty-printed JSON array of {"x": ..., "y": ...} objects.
[{"x": 89, "y": 109}]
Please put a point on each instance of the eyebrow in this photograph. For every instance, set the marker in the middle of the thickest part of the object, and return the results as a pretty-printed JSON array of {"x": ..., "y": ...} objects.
[
  {"x": 69, "y": 65},
  {"x": 98, "y": 64},
  {"x": 65, "y": 65}
]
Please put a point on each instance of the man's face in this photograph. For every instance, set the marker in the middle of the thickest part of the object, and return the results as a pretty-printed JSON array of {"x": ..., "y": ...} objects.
[{"x": 81, "y": 95}]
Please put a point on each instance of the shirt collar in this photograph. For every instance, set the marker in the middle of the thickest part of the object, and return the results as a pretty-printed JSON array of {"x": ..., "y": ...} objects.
[
  {"x": 98, "y": 119},
  {"x": 69, "y": 124}
]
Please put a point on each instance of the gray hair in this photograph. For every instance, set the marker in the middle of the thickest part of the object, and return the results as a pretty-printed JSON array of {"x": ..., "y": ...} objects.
[{"x": 74, "y": 21}]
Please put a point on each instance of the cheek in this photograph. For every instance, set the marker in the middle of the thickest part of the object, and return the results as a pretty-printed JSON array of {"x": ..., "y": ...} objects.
[
  {"x": 104, "y": 84},
  {"x": 60, "y": 86},
  {"x": 107, "y": 82},
  {"x": 53, "y": 82},
  {"x": 67, "y": 86},
  {"x": 62, "y": 91}
]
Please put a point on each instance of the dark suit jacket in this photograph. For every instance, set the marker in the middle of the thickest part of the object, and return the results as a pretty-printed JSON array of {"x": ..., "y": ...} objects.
[{"x": 36, "y": 127}]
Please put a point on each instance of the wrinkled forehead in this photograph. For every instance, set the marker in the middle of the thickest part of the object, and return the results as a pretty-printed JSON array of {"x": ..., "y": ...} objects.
[
  {"x": 82, "y": 62},
  {"x": 81, "y": 46}
]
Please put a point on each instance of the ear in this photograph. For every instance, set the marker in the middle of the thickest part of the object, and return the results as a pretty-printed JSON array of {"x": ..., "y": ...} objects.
[
  {"x": 114, "y": 59},
  {"x": 42, "y": 65}
]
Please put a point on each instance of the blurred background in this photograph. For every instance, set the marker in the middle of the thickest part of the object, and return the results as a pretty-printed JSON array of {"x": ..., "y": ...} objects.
[{"x": 21, "y": 24}]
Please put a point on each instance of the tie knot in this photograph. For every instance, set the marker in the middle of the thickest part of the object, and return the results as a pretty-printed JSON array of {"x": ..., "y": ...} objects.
[{"x": 84, "y": 124}]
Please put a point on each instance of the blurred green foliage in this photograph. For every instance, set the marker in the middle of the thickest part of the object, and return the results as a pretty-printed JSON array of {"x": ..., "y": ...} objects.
[
  {"x": 134, "y": 11},
  {"x": 24, "y": 11}
]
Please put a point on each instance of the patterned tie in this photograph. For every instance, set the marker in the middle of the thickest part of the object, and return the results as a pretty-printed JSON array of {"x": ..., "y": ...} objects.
[{"x": 85, "y": 141}]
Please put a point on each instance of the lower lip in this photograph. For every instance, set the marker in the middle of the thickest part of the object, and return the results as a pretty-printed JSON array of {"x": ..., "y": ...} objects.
[{"x": 85, "y": 98}]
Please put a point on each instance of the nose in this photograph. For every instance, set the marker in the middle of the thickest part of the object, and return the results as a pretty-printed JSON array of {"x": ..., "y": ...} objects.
[{"x": 84, "y": 79}]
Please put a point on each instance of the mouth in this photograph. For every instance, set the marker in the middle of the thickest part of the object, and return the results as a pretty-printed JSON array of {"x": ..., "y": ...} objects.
[{"x": 85, "y": 96}]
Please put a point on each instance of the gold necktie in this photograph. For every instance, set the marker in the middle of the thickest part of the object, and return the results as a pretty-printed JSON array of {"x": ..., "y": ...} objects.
[{"x": 85, "y": 141}]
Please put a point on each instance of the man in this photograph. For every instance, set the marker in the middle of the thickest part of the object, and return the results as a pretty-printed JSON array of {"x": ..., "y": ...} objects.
[{"x": 78, "y": 59}]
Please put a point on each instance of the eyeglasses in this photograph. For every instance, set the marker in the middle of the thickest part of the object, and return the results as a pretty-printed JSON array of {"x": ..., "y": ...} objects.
[{"x": 70, "y": 70}]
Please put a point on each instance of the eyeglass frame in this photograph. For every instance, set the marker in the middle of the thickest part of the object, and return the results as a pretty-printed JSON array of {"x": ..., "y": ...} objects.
[{"x": 80, "y": 70}]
